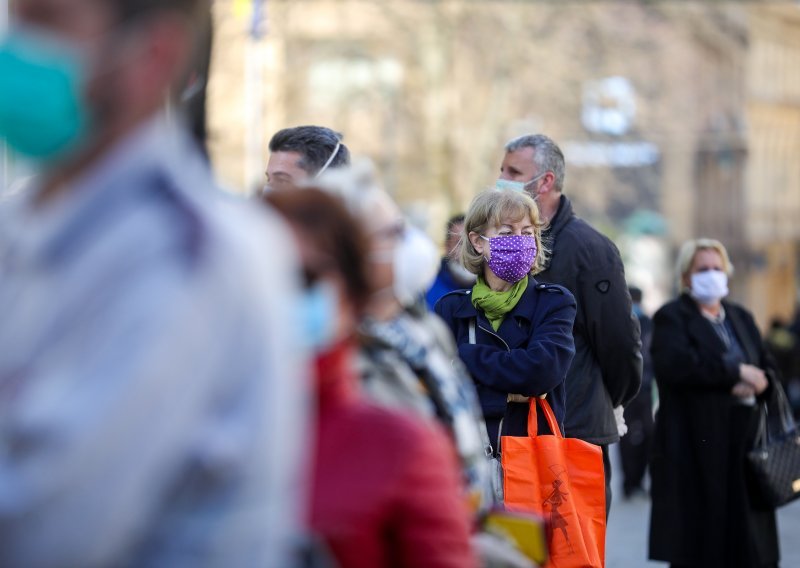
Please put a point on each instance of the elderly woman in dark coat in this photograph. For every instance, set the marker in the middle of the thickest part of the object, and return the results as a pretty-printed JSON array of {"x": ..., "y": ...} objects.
[
  {"x": 710, "y": 367},
  {"x": 514, "y": 334}
]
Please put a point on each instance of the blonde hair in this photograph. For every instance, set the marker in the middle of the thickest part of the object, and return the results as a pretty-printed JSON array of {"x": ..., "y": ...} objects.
[
  {"x": 689, "y": 251},
  {"x": 488, "y": 209}
]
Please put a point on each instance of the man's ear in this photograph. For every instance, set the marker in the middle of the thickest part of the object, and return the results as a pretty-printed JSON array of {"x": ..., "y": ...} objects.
[
  {"x": 548, "y": 183},
  {"x": 477, "y": 242}
]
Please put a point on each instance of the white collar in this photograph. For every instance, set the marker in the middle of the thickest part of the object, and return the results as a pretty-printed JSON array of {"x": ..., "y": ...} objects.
[{"x": 718, "y": 319}]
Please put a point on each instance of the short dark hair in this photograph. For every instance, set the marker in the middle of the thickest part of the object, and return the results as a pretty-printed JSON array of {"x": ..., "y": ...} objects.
[
  {"x": 316, "y": 145},
  {"x": 332, "y": 231},
  {"x": 452, "y": 222},
  {"x": 636, "y": 294}
]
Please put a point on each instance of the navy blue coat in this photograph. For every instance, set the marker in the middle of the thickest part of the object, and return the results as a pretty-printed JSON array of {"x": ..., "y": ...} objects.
[{"x": 528, "y": 355}]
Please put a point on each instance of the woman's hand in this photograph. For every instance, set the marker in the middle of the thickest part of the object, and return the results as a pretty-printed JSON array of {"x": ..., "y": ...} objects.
[
  {"x": 743, "y": 390},
  {"x": 753, "y": 376}
]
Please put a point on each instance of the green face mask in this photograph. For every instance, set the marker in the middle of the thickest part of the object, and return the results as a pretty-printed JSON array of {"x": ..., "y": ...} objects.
[{"x": 42, "y": 112}]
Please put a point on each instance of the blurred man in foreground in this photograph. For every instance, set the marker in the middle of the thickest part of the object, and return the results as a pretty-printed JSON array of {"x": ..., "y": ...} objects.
[
  {"x": 302, "y": 153},
  {"x": 150, "y": 387}
]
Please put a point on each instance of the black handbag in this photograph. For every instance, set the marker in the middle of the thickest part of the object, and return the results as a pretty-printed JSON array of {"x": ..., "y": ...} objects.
[{"x": 774, "y": 461}]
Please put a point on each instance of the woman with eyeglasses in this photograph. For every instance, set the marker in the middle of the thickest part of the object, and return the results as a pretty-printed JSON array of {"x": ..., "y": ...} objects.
[
  {"x": 385, "y": 485},
  {"x": 711, "y": 368}
]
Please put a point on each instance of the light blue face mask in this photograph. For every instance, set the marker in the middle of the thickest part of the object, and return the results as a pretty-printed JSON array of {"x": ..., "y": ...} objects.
[
  {"x": 512, "y": 185},
  {"x": 318, "y": 316},
  {"x": 42, "y": 112}
]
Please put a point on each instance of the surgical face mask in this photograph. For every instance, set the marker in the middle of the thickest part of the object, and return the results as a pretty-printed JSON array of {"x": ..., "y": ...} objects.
[
  {"x": 319, "y": 315},
  {"x": 511, "y": 256},
  {"x": 416, "y": 262},
  {"x": 512, "y": 185},
  {"x": 460, "y": 274},
  {"x": 709, "y": 286},
  {"x": 43, "y": 115}
]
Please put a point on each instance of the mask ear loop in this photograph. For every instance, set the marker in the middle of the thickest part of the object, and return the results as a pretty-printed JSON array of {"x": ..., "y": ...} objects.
[
  {"x": 328, "y": 163},
  {"x": 488, "y": 240}
]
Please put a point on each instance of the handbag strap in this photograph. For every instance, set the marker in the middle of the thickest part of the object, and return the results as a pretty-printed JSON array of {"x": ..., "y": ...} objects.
[
  {"x": 761, "y": 432},
  {"x": 533, "y": 426},
  {"x": 784, "y": 411}
]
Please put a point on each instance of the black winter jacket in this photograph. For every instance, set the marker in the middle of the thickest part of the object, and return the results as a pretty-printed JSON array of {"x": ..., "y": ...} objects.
[{"x": 607, "y": 368}]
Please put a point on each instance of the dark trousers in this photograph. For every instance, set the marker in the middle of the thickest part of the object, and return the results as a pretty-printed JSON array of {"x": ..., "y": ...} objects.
[
  {"x": 607, "y": 473},
  {"x": 634, "y": 447}
]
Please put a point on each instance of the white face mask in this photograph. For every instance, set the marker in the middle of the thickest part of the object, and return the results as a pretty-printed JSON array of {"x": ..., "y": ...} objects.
[
  {"x": 416, "y": 262},
  {"x": 709, "y": 286},
  {"x": 461, "y": 274}
]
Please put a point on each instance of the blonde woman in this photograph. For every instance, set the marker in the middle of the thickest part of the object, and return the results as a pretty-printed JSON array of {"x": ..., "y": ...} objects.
[
  {"x": 513, "y": 333},
  {"x": 710, "y": 366}
]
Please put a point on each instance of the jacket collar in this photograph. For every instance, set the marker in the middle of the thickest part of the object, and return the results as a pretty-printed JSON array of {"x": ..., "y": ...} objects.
[
  {"x": 564, "y": 215},
  {"x": 511, "y": 331},
  {"x": 702, "y": 328},
  {"x": 44, "y": 234}
]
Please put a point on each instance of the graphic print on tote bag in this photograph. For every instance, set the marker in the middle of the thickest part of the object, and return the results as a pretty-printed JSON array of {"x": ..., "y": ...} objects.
[{"x": 557, "y": 498}]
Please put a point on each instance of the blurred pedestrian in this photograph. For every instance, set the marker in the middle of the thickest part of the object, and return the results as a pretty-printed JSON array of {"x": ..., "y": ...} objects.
[
  {"x": 386, "y": 488},
  {"x": 793, "y": 380},
  {"x": 513, "y": 333},
  {"x": 607, "y": 370},
  {"x": 302, "y": 153},
  {"x": 710, "y": 366},
  {"x": 635, "y": 445},
  {"x": 452, "y": 275},
  {"x": 783, "y": 347},
  {"x": 408, "y": 360},
  {"x": 151, "y": 392}
]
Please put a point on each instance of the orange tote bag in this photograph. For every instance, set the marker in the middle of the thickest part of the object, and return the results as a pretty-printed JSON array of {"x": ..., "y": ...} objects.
[{"x": 562, "y": 480}]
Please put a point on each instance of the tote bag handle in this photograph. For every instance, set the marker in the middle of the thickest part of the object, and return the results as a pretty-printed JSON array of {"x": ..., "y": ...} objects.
[{"x": 533, "y": 428}]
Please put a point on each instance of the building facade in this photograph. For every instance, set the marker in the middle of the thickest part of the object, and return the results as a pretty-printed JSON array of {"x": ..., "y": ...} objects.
[{"x": 677, "y": 119}]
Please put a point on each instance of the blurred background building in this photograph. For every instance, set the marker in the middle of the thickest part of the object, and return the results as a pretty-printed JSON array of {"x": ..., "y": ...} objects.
[{"x": 678, "y": 119}]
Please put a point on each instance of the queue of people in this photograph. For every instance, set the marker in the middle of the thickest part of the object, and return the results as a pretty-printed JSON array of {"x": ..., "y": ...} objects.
[{"x": 192, "y": 379}]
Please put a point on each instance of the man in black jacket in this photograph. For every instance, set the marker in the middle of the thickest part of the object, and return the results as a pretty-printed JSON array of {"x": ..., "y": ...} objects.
[{"x": 607, "y": 369}]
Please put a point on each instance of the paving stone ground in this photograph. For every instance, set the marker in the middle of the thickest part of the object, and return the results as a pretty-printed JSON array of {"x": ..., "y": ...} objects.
[{"x": 628, "y": 526}]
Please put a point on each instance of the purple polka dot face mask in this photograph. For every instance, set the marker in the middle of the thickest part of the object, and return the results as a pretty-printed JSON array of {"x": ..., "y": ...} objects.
[{"x": 511, "y": 256}]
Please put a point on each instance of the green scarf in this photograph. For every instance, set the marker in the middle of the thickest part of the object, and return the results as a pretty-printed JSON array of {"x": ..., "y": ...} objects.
[{"x": 495, "y": 305}]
